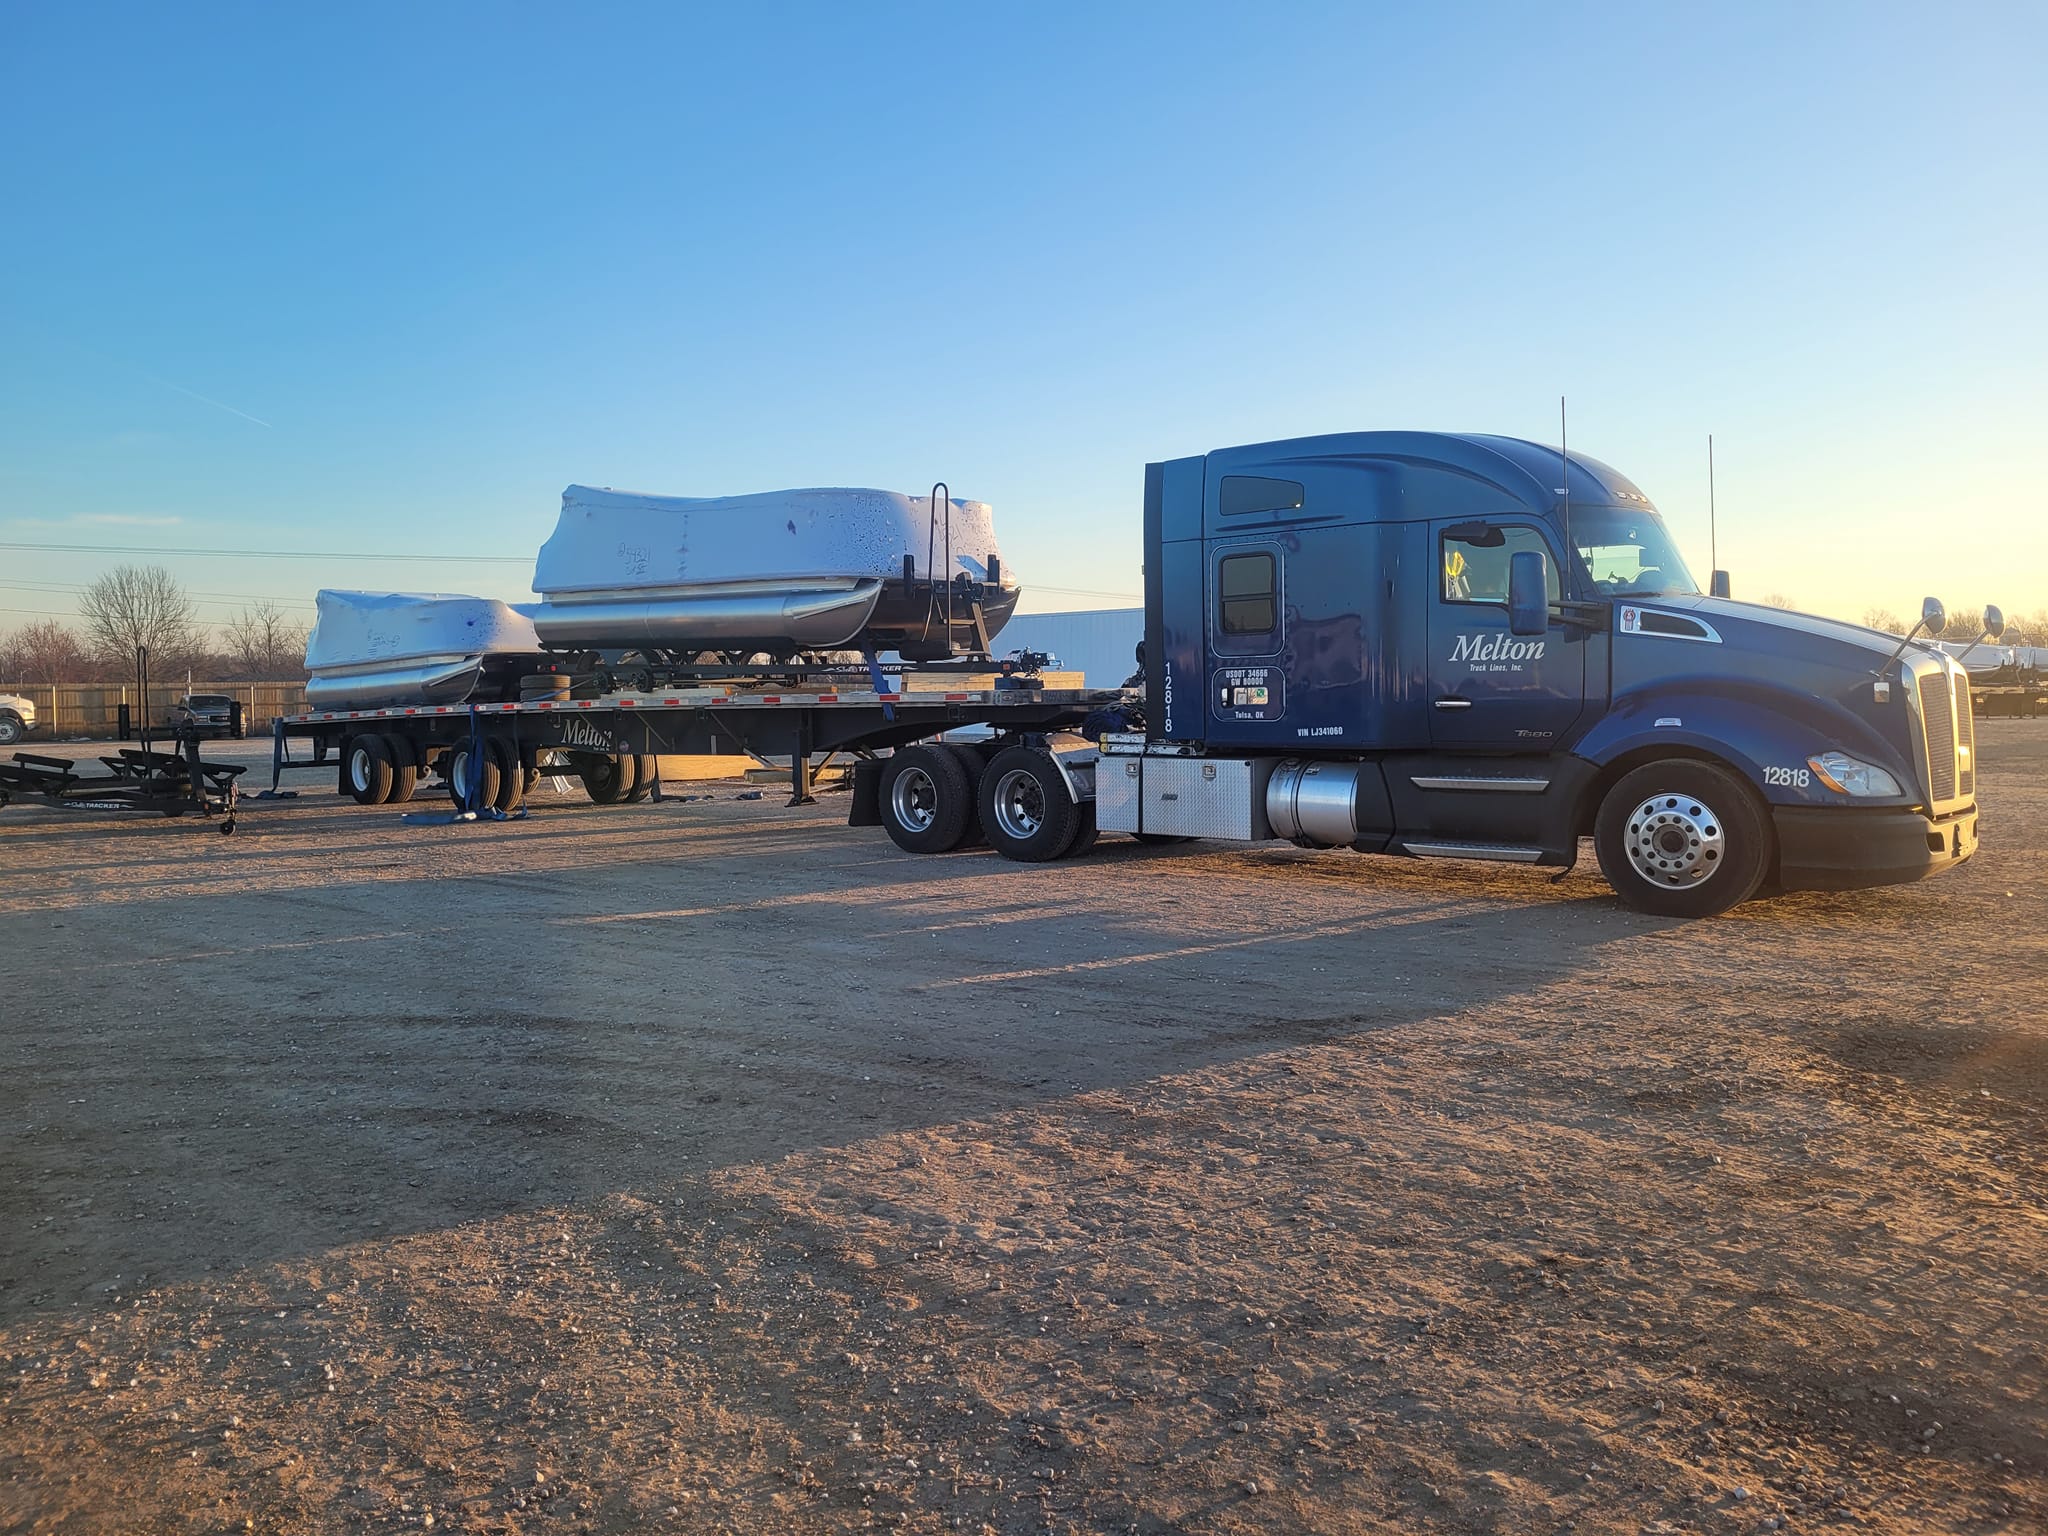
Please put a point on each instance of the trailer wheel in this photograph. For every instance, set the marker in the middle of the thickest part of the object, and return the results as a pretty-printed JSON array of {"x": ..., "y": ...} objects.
[
  {"x": 405, "y": 773},
  {"x": 927, "y": 798},
  {"x": 459, "y": 766},
  {"x": 511, "y": 775},
  {"x": 607, "y": 780},
  {"x": 368, "y": 770},
  {"x": 1025, "y": 807},
  {"x": 645, "y": 771},
  {"x": 1682, "y": 838}
]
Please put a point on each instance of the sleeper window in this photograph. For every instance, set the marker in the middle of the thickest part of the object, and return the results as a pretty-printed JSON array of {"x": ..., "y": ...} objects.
[{"x": 1246, "y": 594}]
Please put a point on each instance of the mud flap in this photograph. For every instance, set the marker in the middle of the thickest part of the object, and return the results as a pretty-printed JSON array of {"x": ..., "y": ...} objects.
[{"x": 866, "y": 810}]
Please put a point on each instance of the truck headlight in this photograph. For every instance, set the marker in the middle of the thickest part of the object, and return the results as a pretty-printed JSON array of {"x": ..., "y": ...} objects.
[{"x": 1847, "y": 775}]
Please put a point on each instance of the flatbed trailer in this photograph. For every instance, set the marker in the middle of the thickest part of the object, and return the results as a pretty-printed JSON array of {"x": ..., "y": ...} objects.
[{"x": 379, "y": 755}]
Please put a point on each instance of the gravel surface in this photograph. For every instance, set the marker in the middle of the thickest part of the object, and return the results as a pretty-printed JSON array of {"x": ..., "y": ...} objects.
[{"x": 711, "y": 1166}]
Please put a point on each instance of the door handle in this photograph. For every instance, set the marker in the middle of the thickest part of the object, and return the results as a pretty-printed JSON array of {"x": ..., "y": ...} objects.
[{"x": 1453, "y": 703}]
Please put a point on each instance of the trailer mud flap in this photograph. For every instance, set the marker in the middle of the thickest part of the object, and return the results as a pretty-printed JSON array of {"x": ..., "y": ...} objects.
[{"x": 866, "y": 810}]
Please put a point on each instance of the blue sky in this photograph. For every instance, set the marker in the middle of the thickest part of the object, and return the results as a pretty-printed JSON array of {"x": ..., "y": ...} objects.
[{"x": 383, "y": 280}]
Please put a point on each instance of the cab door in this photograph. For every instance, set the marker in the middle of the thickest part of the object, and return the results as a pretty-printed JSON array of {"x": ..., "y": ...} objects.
[{"x": 1488, "y": 688}]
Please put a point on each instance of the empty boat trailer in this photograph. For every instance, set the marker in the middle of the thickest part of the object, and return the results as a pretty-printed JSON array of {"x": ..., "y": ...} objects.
[{"x": 1421, "y": 644}]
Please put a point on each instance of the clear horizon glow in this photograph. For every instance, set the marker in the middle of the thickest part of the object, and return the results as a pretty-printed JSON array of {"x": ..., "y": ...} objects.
[{"x": 382, "y": 280}]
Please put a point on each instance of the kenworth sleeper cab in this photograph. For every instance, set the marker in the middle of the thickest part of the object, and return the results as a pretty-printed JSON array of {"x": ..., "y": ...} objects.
[{"x": 1473, "y": 647}]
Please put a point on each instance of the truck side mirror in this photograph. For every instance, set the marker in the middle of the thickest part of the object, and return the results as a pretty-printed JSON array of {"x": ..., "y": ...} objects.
[
  {"x": 1528, "y": 592},
  {"x": 1933, "y": 617},
  {"x": 1718, "y": 586},
  {"x": 1994, "y": 621}
]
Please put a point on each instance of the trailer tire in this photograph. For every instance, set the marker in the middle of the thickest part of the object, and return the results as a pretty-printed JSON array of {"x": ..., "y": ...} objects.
[
  {"x": 645, "y": 771},
  {"x": 405, "y": 772},
  {"x": 607, "y": 780},
  {"x": 458, "y": 765},
  {"x": 927, "y": 798},
  {"x": 511, "y": 774},
  {"x": 1682, "y": 838},
  {"x": 367, "y": 769},
  {"x": 1025, "y": 807}
]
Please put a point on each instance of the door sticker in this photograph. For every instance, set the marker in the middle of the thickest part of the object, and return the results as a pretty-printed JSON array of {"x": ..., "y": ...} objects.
[
  {"x": 1248, "y": 693},
  {"x": 1498, "y": 651}
]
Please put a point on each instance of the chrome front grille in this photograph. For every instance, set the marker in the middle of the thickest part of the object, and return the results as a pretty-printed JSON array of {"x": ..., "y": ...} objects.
[
  {"x": 1937, "y": 718},
  {"x": 1966, "y": 738}
]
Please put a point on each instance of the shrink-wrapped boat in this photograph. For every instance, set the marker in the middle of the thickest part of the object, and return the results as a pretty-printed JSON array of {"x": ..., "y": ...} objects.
[
  {"x": 371, "y": 649},
  {"x": 801, "y": 570}
]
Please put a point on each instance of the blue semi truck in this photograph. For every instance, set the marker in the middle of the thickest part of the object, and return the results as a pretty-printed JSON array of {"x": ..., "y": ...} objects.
[{"x": 1474, "y": 647}]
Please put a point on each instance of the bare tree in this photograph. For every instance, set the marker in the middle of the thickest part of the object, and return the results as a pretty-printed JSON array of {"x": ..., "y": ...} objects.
[
  {"x": 1777, "y": 600},
  {"x": 263, "y": 643},
  {"x": 45, "y": 652},
  {"x": 1884, "y": 619},
  {"x": 139, "y": 605},
  {"x": 1965, "y": 622}
]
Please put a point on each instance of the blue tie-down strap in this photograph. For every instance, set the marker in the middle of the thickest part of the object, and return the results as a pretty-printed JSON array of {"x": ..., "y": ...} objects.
[
  {"x": 881, "y": 683},
  {"x": 472, "y": 791}
]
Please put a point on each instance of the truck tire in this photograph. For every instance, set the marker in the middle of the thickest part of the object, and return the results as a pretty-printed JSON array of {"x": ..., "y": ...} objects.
[
  {"x": 458, "y": 765},
  {"x": 645, "y": 770},
  {"x": 1025, "y": 807},
  {"x": 366, "y": 772},
  {"x": 927, "y": 798},
  {"x": 10, "y": 728},
  {"x": 405, "y": 772},
  {"x": 1682, "y": 838},
  {"x": 974, "y": 758},
  {"x": 607, "y": 780},
  {"x": 511, "y": 775},
  {"x": 1084, "y": 839}
]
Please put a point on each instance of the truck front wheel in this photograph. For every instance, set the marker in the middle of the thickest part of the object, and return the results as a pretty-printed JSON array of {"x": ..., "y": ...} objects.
[
  {"x": 1682, "y": 838},
  {"x": 1025, "y": 808}
]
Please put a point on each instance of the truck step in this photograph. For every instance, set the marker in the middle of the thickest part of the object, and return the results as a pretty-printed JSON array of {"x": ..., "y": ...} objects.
[{"x": 1498, "y": 853}]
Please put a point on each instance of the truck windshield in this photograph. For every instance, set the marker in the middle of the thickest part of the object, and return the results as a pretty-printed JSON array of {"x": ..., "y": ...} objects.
[{"x": 1631, "y": 554}]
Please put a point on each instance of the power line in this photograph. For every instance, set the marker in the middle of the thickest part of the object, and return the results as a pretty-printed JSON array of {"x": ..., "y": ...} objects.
[
  {"x": 261, "y": 554},
  {"x": 205, "y": 598}
]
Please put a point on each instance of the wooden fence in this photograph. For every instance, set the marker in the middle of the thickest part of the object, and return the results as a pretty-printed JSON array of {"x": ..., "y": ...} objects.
[{"x": 67, "y": 711}]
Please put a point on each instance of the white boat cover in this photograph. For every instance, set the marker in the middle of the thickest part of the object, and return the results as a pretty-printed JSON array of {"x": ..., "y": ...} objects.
[
  {"x": 354, "y": 628},
  {"x": 627, "y": 542},
  {"x": 375, "y": 648}
]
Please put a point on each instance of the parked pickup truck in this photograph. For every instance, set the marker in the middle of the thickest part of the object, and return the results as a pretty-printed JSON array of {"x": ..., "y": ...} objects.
[{"x": 17, "y": 718}]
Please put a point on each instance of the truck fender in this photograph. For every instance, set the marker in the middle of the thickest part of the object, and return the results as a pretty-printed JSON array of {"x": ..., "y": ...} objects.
[
  {"x": 1749, "y": 728},
  {"x": 1075, "y": 757}
]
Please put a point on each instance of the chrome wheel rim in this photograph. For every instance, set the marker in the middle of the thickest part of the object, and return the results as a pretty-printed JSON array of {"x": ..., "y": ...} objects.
[
  {"x": 359, "y": 770},
  {"x": 458, "y": 774},
  {"x": 1675, "y": 840},
  {"x": 1019, "y": 804},
  {"x": 914, "y": 800}
]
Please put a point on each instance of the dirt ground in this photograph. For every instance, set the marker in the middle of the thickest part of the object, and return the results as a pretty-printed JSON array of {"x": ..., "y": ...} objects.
[{"x": 710, "y": 1166}]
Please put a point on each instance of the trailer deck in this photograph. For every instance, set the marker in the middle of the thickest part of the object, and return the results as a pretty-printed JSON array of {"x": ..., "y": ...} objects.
[{"x": 710, "y": 719}]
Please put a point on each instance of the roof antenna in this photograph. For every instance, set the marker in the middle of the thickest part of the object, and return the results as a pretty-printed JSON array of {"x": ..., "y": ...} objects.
[{"x": 1713, "y": 534}]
